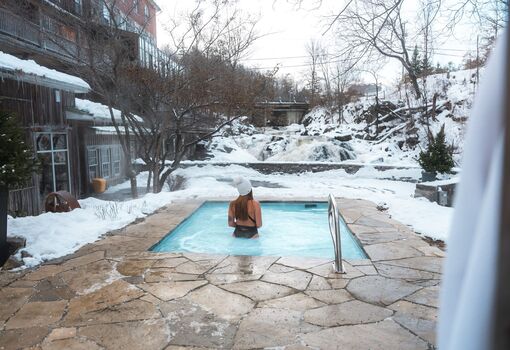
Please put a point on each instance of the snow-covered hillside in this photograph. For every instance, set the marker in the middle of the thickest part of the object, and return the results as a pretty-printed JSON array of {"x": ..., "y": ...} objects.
[{"x": 394, "y": 138}]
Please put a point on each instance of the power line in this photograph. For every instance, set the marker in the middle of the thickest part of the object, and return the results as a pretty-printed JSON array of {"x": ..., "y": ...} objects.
[
  {"x": 331, "y": 55},
  {"x": 282, "y": 66}
]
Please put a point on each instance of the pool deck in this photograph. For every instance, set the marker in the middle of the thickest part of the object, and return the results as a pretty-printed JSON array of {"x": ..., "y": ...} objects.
[{"x": 114, "y": 294}]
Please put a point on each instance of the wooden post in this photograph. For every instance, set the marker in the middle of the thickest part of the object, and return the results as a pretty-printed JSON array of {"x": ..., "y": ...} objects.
[
  {"x": 501, "y": 327},
  {"x": 4, "y": 249}
]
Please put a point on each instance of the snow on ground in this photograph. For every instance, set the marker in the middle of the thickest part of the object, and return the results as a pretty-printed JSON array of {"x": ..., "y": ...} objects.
[
  {"x": 321, "y": 137},
  {"x": 52, "y": 235}
]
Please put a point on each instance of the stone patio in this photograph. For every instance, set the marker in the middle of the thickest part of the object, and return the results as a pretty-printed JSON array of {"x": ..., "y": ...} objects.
[{"x": 114, "y": 294}]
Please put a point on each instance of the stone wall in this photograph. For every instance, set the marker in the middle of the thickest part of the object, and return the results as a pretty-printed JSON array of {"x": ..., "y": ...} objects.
[
  {"x": 297, "y": 168},
  {"x": 432, "y": 190}
]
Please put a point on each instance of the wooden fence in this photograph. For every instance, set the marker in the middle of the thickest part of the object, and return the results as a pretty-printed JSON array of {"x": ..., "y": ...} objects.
[{"x": 24, "y": 202}]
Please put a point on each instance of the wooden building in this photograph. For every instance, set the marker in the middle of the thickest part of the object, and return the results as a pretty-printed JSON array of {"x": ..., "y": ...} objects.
[
  {"x": 279, "y": 113},
  {"x": 51, "y": 31},
  {"x": 100, "y": 151},
  {"x": 74, "y": 143}
]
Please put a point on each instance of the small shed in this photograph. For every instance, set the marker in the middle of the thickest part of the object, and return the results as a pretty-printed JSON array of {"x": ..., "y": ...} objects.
[{"x": 279, "y": 113}]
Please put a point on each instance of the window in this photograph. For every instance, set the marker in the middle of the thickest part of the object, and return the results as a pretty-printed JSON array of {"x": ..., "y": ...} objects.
[
  {"x": 150, "y": 61},
  {"x": 116, "y": 157},
  {"x": 146, "y": 12},
  {"x": 147, "y": 52},
  {"x": 52, "y": 150},
  {"x": 92, "y": 163},
  {"x": 136, "y": 4},
  {"x": 106, "y": 13},
  {"x": 48, "y": 24},
  {"x": 105, "y": 163},
  {"x": 77, "y": 6}
]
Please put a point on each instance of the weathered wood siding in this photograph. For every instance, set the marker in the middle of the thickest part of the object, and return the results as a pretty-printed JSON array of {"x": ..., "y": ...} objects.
[
  {"x": 84, "y": 136},
  {"x": 34, "y": 105},
  {"x": 24, "y": 202},
  {"x": 37, "y": 110}
]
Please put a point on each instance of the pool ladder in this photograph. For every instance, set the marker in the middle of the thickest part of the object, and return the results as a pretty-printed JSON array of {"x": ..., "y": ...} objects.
[{"x": 334, "y": 229}]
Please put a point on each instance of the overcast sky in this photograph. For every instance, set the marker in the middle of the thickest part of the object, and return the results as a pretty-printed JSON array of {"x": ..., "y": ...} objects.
[{"x": 288, "y": 28}]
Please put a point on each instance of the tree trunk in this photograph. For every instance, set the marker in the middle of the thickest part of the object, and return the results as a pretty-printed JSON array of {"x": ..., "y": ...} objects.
[
  {"x": 157, "y": 186},
  {"x": 134, "y": 187},
  {"x": 4, "y": 249},
  {"x": 416, "y": 86},
  {"x": 149, "y": 182}
]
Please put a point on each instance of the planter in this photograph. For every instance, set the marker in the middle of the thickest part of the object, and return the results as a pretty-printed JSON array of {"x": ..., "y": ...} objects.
[
  {"x": 427, "y": 176},
  {"x": 99, "y": 185},
  {"x": 4, "y": 247}
]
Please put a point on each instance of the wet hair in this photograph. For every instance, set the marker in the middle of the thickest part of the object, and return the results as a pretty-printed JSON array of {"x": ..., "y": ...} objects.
[{"x": 240, "y": 206}]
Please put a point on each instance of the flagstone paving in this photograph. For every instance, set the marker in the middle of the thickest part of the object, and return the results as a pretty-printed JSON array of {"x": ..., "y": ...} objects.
[{"x": 114, "y": 294}]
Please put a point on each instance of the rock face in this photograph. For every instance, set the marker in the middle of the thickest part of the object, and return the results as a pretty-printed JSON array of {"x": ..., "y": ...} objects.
[{"x": 113, "y": 294}]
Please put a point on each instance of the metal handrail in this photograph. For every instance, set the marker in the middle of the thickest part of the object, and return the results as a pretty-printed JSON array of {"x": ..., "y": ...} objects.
[{"x": 334, "y": 229}]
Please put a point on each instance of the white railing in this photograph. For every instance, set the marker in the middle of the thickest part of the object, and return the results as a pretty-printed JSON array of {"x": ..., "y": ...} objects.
[{"x": 334, "y": 229}]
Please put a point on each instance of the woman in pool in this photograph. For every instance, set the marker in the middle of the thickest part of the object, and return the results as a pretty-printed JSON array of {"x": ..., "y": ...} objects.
[{"x": 244, "y": 213}]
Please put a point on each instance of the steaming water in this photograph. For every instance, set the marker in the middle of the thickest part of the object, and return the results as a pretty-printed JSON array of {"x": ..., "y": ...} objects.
[{"x": 289, "y": 229}]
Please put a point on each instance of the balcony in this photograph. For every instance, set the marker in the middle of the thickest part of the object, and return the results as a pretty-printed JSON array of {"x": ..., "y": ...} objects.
[
  {"x": 22, "y": 34},
  {"x": 72, "y": 6}
]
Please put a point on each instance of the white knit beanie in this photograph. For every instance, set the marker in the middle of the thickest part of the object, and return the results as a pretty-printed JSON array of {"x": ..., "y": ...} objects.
[{"x": 243, "y": 185}]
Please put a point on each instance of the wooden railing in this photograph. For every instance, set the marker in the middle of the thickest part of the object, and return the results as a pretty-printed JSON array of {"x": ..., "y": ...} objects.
[
  {"x": 17, "y": 27},
  {"x": 68, "y": 5},
  {"x": 28, "y": 32}
]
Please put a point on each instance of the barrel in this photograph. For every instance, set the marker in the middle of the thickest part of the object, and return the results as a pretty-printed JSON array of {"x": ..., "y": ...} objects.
[{"x": 99, "y": 185}]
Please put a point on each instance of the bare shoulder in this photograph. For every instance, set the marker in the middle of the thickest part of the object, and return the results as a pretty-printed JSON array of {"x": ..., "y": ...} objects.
[{"x": 256, "y": 204}]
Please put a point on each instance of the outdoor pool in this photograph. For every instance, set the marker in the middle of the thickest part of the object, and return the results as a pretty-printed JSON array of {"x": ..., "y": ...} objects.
[{"x": 289, "y": 229}]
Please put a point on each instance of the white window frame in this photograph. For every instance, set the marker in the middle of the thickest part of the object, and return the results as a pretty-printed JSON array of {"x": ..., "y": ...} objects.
[
  {"x": 146, "y": 12},
  {"x": 105, "y": 151},
  {"x": 52, "y": 150},
  {"x": 78, "y": 6},
  {"x": 116, "y": 161},
  {"x": 90, "y": 164}
]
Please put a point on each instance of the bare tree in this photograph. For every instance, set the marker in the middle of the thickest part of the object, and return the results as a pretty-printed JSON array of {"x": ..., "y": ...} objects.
[
  {"x": 172, "y": 101},
  {"x": 369, "y": 27},
  {"x": 343, "y": 76},
  {"x": 203, "y": 84},
  {"x": 429, "y": 11},
  {"x": 314, "y": 52},
  {"x": 492, "y": 14}
]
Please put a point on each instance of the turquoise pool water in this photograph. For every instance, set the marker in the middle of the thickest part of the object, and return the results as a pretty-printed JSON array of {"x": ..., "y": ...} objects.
[{"x": 289, "y": 229}]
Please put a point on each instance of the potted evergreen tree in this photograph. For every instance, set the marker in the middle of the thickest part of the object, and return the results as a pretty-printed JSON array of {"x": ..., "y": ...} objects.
[
  {"x": 437, "y": 158},
  {"x": 17, "y": 164}
]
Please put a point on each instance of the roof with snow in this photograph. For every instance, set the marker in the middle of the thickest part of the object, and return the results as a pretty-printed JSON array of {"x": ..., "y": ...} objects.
[
  {"x": 30, "y": 72},
  {"x": 94, "y": 111}
]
